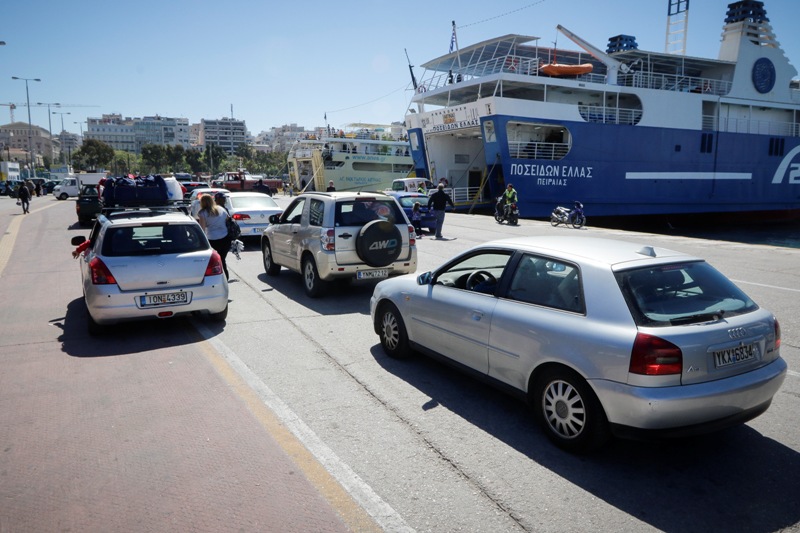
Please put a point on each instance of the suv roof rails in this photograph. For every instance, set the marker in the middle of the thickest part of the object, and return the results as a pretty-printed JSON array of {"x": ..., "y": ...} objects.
[{"x": 144, "y": 210}]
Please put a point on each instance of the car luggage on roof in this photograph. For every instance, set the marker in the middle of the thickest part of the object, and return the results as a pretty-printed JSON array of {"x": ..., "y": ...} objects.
[{"x": 135, "y": 191}]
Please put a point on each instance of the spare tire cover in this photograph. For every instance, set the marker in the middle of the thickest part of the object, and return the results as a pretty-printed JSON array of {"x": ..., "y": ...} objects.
[{"x": 379, "y": 243}]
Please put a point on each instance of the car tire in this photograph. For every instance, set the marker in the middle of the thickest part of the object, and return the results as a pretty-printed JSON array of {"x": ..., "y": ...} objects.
[
  {"x": 270, "y": 266},
  {"x": 379, "y": 243},
  {"x": 63, "y": 196},
  {"x": 313, "y": 285},
  {"x": 219, "y": 317},
  {"x": 569, "y": 412},
  {"x": 392, "y": 331}
]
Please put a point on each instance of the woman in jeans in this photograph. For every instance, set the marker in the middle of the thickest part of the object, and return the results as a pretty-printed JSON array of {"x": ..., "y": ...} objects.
[{"x": 212, "y": 219}]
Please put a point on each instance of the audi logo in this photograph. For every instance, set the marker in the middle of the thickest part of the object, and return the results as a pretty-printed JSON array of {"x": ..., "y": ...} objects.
[{"x": 737, "y": 333}]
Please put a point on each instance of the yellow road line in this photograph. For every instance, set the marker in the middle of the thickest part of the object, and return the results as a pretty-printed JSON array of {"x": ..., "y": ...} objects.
[
  {"x": 352, "y": 514},
  {"x": 10, "y": 237}
]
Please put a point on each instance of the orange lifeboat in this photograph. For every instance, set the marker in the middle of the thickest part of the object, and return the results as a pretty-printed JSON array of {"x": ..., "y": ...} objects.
[{"x": 560, "y": 69}]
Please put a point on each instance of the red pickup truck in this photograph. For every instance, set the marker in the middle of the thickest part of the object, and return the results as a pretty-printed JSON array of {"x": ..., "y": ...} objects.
[{"x": 243, "y": 181}]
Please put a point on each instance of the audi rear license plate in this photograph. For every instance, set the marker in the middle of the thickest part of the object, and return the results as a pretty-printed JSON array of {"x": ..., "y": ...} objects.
[
  {"x": 735, "y": 355},
  {"x": 170, "y": 298},
  {"x": 372, "y": 274},
  {"x": 258, "y": 231}
]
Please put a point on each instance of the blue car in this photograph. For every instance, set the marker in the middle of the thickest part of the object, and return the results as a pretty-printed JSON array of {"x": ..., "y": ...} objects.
[{"x": 407, "y": 200}]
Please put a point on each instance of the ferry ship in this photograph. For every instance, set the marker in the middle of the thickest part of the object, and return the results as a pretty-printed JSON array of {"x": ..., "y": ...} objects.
[
  {"x": 638, "y": 133},
  {"x": 360, "y": 157}
]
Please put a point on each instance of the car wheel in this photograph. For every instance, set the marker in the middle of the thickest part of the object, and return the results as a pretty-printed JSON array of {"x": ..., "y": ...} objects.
[
  {"x": 569, "y": 411},
  {"x": 219, "y": 317},
  {"x": 313, "y": 285},
  {"x": 63, "y": 196},
  {"x": 270, "y": 267},
  {"x": 392, "y": 331},
  {"x": 379, "y": 243}
]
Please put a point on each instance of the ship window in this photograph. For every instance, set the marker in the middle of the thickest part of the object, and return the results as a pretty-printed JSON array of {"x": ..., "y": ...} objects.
[
  {"x": 414, "y": 139},
  {"x": 488, "y": 131},
  {"x": 537, "y": 141},
  {"x": 706, "y": 143},
  {"x": 776, "y": 146}
]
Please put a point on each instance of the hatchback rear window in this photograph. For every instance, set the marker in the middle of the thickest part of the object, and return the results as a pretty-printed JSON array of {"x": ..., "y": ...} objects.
[
  {"x": 153, "y": 240},
  {"x": 685, "y": 293},
  {"x": 360, "y": 212}
]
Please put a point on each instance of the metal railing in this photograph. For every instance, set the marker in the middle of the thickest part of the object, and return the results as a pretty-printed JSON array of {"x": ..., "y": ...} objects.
[
  {"x": 538, "y": 150},
  {"x": 610, "y": 115}
]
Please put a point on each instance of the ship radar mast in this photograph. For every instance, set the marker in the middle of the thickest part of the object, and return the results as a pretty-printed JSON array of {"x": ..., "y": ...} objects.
[{"x": 677, "y": 27}]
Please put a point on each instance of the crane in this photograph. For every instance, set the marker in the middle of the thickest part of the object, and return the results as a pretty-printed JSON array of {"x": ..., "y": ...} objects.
[{"x": 11, "y": 108}]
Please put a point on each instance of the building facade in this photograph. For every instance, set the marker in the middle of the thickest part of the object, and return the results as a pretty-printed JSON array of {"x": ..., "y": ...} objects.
[
  {"x": 113, "y": 130},
  {"x": 15, "y": 139},
  {"x": 227, "y": 133},
  {"x": 130, "y": 134}
]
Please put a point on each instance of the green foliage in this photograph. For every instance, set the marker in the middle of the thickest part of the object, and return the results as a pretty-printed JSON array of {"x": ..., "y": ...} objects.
[
  {"x": 154, "y": 158},
  {"x": 194, "y": 159},
  {"x": 93, "y": 154}
]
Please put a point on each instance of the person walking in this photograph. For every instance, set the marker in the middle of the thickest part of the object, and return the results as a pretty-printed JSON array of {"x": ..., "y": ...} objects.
[
  {"x": 24, "y": 197},
  {"x": 213, "y": 218},
  {"x": 416, "y": 219},
  {"x": 438, "y": 202}
]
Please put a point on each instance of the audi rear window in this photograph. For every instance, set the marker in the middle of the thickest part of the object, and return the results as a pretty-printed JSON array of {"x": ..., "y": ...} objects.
[{"x": 677, "y": 294}]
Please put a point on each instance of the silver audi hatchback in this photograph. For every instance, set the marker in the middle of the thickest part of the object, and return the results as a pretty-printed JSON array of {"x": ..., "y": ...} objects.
[{"x": 602, "y": 337}]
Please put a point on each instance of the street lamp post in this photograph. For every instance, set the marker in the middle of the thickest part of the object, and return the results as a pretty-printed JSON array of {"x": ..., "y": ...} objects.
[
  {"x": 61, "y": 137},
  {"x": 30, "y": 126},
  {"x": 50, "y": 125}
]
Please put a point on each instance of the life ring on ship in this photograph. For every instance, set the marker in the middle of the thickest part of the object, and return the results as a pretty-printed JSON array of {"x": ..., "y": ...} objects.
[{"x": 421, "y": 89}]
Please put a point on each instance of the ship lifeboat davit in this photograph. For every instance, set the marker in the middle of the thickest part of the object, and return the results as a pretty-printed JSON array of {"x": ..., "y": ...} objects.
[{"x": 560, "y": 69}]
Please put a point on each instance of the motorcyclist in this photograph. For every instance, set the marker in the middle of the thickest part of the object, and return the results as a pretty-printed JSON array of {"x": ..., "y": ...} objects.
[{"x": 508, "y": 197}]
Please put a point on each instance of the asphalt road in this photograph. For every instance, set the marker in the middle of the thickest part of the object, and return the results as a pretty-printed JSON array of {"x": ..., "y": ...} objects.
[{"x": 422, "y": 448}]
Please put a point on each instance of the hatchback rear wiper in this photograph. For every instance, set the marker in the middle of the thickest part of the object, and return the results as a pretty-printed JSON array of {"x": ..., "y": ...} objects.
[{"x": 699, "y": 317}]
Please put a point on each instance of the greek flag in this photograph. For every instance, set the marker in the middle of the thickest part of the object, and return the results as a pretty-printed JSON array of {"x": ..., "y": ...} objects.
[{"x": 452, "y": 40}]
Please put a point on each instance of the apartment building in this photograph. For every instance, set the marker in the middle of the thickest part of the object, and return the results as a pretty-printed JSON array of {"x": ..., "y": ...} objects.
[{"x": 227, "y": 133}]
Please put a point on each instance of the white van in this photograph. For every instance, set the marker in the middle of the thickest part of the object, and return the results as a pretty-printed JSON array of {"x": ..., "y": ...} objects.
[
  {"x": 412, "y": 184},
  {"x": 71, "y": 186}
]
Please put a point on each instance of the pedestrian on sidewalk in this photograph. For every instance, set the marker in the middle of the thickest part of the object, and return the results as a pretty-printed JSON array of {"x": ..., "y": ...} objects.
[
  {"x": 24, "y": 197},
  {"x": 438, "y": 201}
]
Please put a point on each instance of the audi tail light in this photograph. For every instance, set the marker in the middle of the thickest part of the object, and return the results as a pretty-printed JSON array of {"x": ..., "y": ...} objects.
[{"x": 654, "y": 356}]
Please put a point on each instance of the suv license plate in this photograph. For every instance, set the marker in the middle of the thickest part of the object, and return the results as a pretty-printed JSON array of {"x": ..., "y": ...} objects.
[
  {"x": 735, "y": 355},
  {"x": 164, "y": 299},
  {"x": 372, "y": 274}
]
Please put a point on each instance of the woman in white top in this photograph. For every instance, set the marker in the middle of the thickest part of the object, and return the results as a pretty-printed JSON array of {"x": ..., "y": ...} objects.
[{"x": 213, "y": 220}]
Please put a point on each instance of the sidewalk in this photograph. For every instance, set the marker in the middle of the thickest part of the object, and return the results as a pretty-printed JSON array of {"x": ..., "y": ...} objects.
[{"x": 143, "y": 430}]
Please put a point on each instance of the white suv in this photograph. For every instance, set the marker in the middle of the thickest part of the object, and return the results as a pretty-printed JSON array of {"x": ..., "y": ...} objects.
[{"x": 340, "y": 235}]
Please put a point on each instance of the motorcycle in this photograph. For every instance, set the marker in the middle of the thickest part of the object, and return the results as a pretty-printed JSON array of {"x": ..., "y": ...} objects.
[
  {"x": 564, "y": 215},
  {"x": 506, "y": 212}
]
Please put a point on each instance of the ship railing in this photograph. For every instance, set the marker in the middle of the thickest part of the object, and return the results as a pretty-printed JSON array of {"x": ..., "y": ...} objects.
[
  {"x": 466, "y": 195},
  {"x": 758, "y": 127},
  {"x": 672, "y": 82},
  {"x": 610, "y": 115},
  {"x": 538, "y": 150}
]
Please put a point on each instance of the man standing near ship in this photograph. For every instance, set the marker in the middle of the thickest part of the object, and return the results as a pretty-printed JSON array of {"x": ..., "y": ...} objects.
[{"x": 438, "y": 201}]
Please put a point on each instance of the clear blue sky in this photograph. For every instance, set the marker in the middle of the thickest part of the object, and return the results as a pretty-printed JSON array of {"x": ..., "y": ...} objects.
[{"x": 283, "y": 62}]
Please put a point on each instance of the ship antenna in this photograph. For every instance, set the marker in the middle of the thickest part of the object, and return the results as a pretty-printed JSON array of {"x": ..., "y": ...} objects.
[{"x": 411, "y": 70}]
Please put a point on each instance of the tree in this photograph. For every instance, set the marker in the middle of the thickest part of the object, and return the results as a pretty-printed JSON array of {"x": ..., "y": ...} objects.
[
  {"x": 175, "y": 155},
  {"x": 194, "y": 158},
  {"x": 216, "y": 155},
  {"x": 94, "y": 154},
  {"x": 244, "y": 151},
  {"x": 154, "y": 157}
]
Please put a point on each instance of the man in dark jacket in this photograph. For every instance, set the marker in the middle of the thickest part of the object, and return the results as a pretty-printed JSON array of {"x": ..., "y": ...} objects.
[
  {"x": 24, "y": 196},
  {"x": 438, "y": 202}
]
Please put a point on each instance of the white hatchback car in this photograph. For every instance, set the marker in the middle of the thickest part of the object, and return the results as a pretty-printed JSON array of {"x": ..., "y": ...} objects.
[
  {"x": 150, "y": 263},
  {"x": 601, "y": 337}
]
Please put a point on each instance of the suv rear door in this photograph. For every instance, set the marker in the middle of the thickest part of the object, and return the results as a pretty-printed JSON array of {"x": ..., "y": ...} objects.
[
  {"x": 358, "y": 241},
  {"x": 285, "y": 236}
]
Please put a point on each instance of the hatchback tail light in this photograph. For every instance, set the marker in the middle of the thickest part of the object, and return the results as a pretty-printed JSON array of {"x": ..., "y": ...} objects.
[
  {"x": 654, "y": 356},
  {"x": 412, "y": 236},
  {"x": 777, "y": 334},
  {"x": 214, "y": 267},
  {"x": 101, "y": 275},
  {"x": 328, "y": 239}
]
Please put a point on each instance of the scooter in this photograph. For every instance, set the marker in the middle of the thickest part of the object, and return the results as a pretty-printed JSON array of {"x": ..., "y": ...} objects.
[
  {"x": 574, "y": 216},
  {"x": 506, "y": 212}
]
